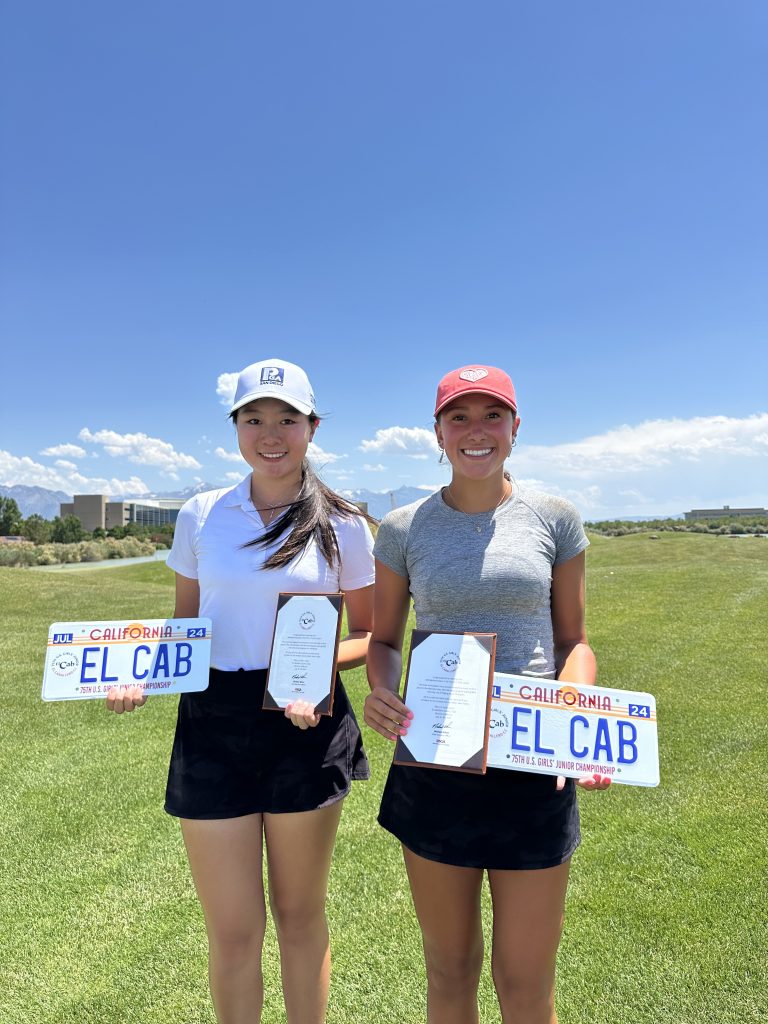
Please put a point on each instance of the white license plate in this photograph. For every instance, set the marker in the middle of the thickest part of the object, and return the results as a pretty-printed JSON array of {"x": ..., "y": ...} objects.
[
  {"x": 558, "y": 728},
  {"x": 84, "y": 660}
]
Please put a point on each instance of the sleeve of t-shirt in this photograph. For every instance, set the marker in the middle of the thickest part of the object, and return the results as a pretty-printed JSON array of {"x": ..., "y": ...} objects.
[
  {"x": 182, "y": 558},
  {"x": 390, "y": 543},
  {"x": 356, "y": 547},
  {"x": 570, "y": 538}
]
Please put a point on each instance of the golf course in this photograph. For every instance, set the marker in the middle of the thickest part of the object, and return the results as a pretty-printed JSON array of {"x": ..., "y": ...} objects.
[{"x": 666, "y": 920}]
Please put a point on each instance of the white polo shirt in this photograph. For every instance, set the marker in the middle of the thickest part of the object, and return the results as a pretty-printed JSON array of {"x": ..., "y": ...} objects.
[{"x": 236, "y": 594}]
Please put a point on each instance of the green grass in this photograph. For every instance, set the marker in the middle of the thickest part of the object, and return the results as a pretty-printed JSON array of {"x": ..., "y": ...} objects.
[{"x": 666, "y": 917}]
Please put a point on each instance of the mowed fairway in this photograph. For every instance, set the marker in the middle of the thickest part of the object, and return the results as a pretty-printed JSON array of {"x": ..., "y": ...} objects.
[{"x": 668, "y": 903}]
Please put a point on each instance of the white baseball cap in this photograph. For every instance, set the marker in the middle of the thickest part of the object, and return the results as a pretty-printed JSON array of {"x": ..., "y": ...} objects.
[{"x": 275, "y": 378}]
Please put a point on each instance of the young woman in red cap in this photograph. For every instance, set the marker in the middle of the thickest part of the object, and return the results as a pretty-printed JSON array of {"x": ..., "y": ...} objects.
[
  {"x": 482, "y": 555},
  {"x": 242, "y": 778}
]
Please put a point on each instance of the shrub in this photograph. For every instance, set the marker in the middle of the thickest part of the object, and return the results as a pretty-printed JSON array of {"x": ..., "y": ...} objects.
[
  {"x": 92, "y": 551},
  {"x": 17, "y": 554},
  {"x": 46, "y": 555},
  {"x": 26, "y": 553}
]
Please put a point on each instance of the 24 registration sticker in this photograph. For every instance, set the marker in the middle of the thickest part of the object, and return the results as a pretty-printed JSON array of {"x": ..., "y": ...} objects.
[
  {"x": 555, "y": 728},
  {"x": 84, "y": 660}
]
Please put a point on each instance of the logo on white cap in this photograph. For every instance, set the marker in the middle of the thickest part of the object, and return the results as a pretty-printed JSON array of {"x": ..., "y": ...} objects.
[
  {"x": 271, "y": 378},
  {"x": 473, "y": 375},
  {"x": 272, "y": 375}
]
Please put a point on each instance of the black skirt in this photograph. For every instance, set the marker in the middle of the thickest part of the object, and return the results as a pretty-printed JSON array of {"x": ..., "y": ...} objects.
[
  {"x": 230, "y": 757},
  {"x": 501, "y": 820}
]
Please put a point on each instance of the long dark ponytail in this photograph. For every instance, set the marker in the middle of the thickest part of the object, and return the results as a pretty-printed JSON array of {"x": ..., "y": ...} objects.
[{"x": 309, "y": 517}]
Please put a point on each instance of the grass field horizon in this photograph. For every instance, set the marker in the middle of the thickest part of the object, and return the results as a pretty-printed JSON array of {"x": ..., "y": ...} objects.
[{"x": 666, "y": 919}]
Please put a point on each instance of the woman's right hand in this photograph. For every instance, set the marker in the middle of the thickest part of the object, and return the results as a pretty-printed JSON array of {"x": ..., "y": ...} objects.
[
  {"x": 386, "y": 713},
  {"x": 125, "y": 698}
]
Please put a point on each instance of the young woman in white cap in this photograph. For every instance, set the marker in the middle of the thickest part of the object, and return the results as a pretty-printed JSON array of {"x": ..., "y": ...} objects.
[
  {"x": 482, "y": 555},
  {"x": 241, "y": 777}
]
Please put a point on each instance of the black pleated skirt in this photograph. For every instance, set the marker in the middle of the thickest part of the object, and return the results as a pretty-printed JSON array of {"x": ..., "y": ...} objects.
[
  {"x": 501, "y": 820},
  {"x": 230, "y": 757}
]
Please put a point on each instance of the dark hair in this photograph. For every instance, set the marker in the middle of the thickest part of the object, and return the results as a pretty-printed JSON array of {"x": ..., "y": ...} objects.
[{"x": 308, "y": 517}]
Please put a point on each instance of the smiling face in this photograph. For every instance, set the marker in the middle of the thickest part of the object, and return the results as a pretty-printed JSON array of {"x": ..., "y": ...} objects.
[
  {"x": 273, "y": 439},
  {"x": 477, "y": 432}
]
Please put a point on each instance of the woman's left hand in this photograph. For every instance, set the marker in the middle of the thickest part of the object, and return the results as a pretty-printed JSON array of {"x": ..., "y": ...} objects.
[
  {"x": 302, "y": 714},
  {"x": 597, "y": 782}
]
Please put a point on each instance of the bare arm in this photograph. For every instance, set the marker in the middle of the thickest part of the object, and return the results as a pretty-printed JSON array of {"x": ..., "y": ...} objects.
[
  {"x": 574, "y": 658},
  {"x": 384, "y": 711},
  {"x": 354, "y": 647},
  {"x": 187, "y": 598}
]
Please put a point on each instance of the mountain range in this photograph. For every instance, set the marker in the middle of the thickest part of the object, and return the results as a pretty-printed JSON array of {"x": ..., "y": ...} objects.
[
  {"x": 45, "y": 503},
  {"x": 379, "y": 502},
  {"x": 35, "y": 500}
]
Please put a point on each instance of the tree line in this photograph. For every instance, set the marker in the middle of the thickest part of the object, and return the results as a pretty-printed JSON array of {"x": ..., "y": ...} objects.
[
  {"x": 723, "y": 525},
  {"x": 69, "y": 529}
]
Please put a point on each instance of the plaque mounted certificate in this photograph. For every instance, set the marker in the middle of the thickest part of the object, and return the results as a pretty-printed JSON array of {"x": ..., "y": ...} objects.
[
  {"x": 448, "y": 689},
  {"x": 305, "y": 648}
]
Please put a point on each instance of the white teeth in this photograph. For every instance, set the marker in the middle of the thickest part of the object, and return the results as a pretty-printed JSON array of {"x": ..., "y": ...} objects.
[
  {"x": 272, "y": 455},
  {"x": 477, "y": 451}
]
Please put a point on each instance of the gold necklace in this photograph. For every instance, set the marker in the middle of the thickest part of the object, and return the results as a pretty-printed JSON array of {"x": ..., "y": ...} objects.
[{"x": 488, "y": 512}]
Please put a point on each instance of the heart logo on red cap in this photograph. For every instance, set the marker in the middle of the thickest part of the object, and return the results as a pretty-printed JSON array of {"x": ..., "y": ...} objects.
[{"x": 473, "y": 375}]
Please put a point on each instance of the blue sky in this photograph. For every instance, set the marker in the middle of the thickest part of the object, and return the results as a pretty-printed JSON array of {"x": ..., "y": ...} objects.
[{"x": 381, "y": 193}]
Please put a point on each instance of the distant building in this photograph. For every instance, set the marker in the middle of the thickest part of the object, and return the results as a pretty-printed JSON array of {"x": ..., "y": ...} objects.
[
  {"x": 96, "y": 510},
  {"x": 726, "y": 512}
]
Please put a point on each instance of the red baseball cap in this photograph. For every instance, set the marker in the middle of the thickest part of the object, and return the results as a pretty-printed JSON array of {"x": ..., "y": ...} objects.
[{"x": 482, "y": 380}]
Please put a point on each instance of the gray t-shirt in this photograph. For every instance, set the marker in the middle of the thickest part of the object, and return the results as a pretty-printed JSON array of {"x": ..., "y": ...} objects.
[{"x": 487, "y": 573}]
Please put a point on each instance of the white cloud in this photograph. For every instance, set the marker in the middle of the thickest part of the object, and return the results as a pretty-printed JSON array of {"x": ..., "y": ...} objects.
[
  {"x": 71, "y": 451},
  {"x": 374, "y": 469},
  {"x": 403, "y": 440},
  {"x": 63, "y": 464},
  {"x": 635, "y": 496},
  {"x": 660, "y": 467},
  {"x": 226, "y": 385},
  {"x": 656, "y": 443},
  {"x": 322, "y": 457},
  {"x": 144, "y": 450},
  {"x": 419, "y": 456},
  {"x": 234, "y": 477},
  {"x": 16, "y": 469},
  {"x": 222, "y": 453},
  {"x": 586, "y": 499}
]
